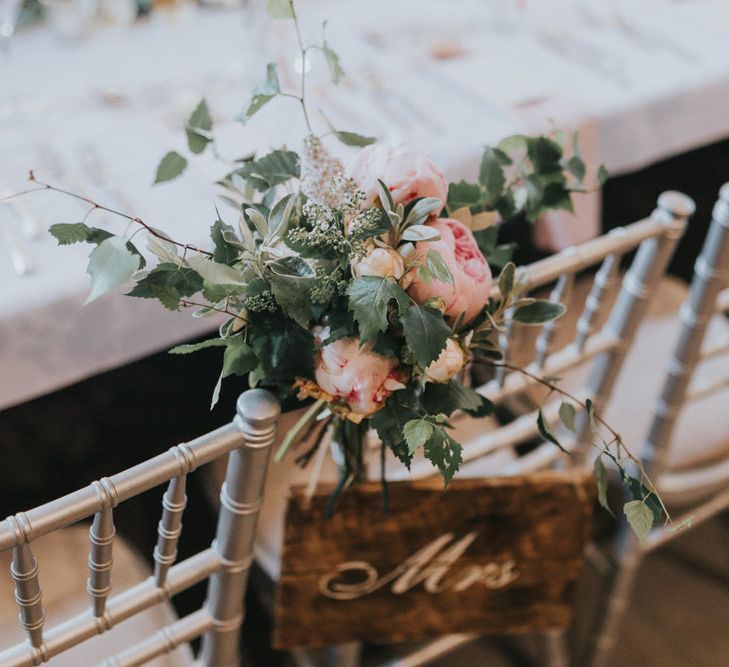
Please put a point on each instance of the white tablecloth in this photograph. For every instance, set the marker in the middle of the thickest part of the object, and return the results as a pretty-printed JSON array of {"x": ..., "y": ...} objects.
[{"x": 641, "y": 81}]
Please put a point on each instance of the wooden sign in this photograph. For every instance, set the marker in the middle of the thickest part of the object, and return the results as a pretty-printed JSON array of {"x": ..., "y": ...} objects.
[{"x": 491, "y": 556}]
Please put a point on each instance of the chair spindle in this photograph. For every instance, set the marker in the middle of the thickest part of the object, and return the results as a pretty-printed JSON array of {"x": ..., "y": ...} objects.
[
  {"x": 604, "y": 281},
  {"x": 24, "y": 571},
  {"x": 101, "y": 536},
  {"x": 169, "y": 528},
  {"x": 560, "y": 294}
]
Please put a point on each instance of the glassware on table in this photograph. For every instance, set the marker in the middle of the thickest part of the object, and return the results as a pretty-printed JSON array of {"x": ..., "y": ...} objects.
[{"x": 71, "y": 19}]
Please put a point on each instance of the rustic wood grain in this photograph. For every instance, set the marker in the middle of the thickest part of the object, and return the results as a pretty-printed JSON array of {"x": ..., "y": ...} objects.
[{"x": 540, "y": 521}]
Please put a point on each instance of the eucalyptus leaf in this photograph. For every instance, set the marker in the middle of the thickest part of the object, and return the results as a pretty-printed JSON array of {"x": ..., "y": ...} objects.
[
  {"x": 354, "y": 139},
  {"x": 259, "y": 222},
  {"x": 546, "y": 433},
  {"x": 567, "y": 414},
  {"x": 420, "y": 233},
  {"x": 213, "y": 272},
  {"x": 539, "y": 312},
  {"x": 385, "y": 197},
  {"x": 195, "y": 347},
  {"x": 602, "y": 485},
  {"x": 506, "y": 280},
  {"x": 422, "y": 209}
]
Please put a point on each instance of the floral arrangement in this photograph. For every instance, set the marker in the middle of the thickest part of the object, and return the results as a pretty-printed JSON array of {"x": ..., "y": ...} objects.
[{"x": 364, "y": 291}]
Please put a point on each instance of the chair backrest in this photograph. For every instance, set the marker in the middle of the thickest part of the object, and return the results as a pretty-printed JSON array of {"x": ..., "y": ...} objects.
[
  {"x": 247, "y": 442},
  {"x": 708, "y": 297},
  {"x": 598, "y": 341}
]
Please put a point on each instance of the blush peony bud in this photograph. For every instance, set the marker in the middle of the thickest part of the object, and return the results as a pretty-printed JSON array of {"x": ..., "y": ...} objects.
[
  {"x": 356, "y": 375},
  {"x": 383, "y": 262},
  {"x": 448, "y": 364},
  {"x": 471, "y": 273},
  {"x": 408, "y": 173}
]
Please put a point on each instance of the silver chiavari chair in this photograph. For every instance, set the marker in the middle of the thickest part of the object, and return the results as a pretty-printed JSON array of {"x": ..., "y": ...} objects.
[
  {"x": 696, "y": 484},
  {"x": 587, "y": 354},
  {"x": 225, "y": 564}
]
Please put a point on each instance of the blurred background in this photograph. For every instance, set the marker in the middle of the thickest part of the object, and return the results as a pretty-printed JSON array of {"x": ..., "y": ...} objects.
[{"x": 94, "y": 92}]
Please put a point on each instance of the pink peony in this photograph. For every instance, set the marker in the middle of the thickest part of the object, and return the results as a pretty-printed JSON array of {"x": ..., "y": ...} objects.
[
  {"x": 407, "y": 173},
  {"x": 471, "y": 274},
  {"x": 362, "y": 378}
]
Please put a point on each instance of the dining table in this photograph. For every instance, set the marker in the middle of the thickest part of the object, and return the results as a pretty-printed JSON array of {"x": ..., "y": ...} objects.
[{"x": 93, "y": 114}]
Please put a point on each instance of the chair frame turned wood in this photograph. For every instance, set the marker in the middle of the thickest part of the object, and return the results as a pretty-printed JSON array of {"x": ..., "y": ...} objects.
[{"x": 247, "y": 441}]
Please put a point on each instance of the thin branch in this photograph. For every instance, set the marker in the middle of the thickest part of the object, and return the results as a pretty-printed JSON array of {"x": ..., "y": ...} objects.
[
  {"x": 616, "y": 436},
  {"x": 186, "y": 303},
  {"x": 20, "y": 194},
  {"x": 95, "y": 205},
  {"x": 303, "y": 49}
]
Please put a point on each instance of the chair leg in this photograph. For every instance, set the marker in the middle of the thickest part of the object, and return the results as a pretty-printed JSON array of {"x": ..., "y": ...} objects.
[
  {"x": 556, "y": 649},
  {"x": 343, "y": 655},
  {"x": 619, "y": 594}
]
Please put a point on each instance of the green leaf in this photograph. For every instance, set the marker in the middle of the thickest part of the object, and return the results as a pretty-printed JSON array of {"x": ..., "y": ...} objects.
[
  {"x": 278, "y": 220},
  {"x": 602, "y": 485},
  {"x": 354, "y": 139},
  {"x": 369, "y": 297},
  {"x": 546, "y": 433},
  {"x": 171, "y": 166},
  {"x": 284, "y": 349},
  {"x": 292, "y": 280},
  {"x": 463, "y": 194},
  {"x": 435, "y": 269},
  {"x": 215, "y": 273},
  {"x": 272, "y": 169},
  {"x": 335, "y": 70},
  {"x": 602, "y": 175},
  {"x": 444, "y": 452},
  {"x": 77, "y": 232},
  {"x": 110, "y": 265},
  {"x": 280, "y": 9},
  {"x": 239, "y": 359},
  {"x": 567, "y": 415},
  {"x": 448, "y": 397},
  {"x": 421, "y": 209},
  {"x": 516, "y": 142},
  {"x": 389, "y": 422},
  {"x": 539, "y": 312},
  {"x": 491, "y": 172},
  {"x": 199, "y": 120},
  {"x": 639, "y": 517},
  {"x": 426, "y": 333},
  {"x": 194, "y": 347},
  {"x": 417, "y": 233},
  {"x": 576, "y": 166},
  {"x": 223, "y": 251},
  {"x": 168, "y": 283},
  {"x": 544, "y": 154},
  {"x": 506, "y": 279},
  {"x": 264, "y": 92},
  {"x": 416, "y": 432},
  {"x": 67, "y": 233}
]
